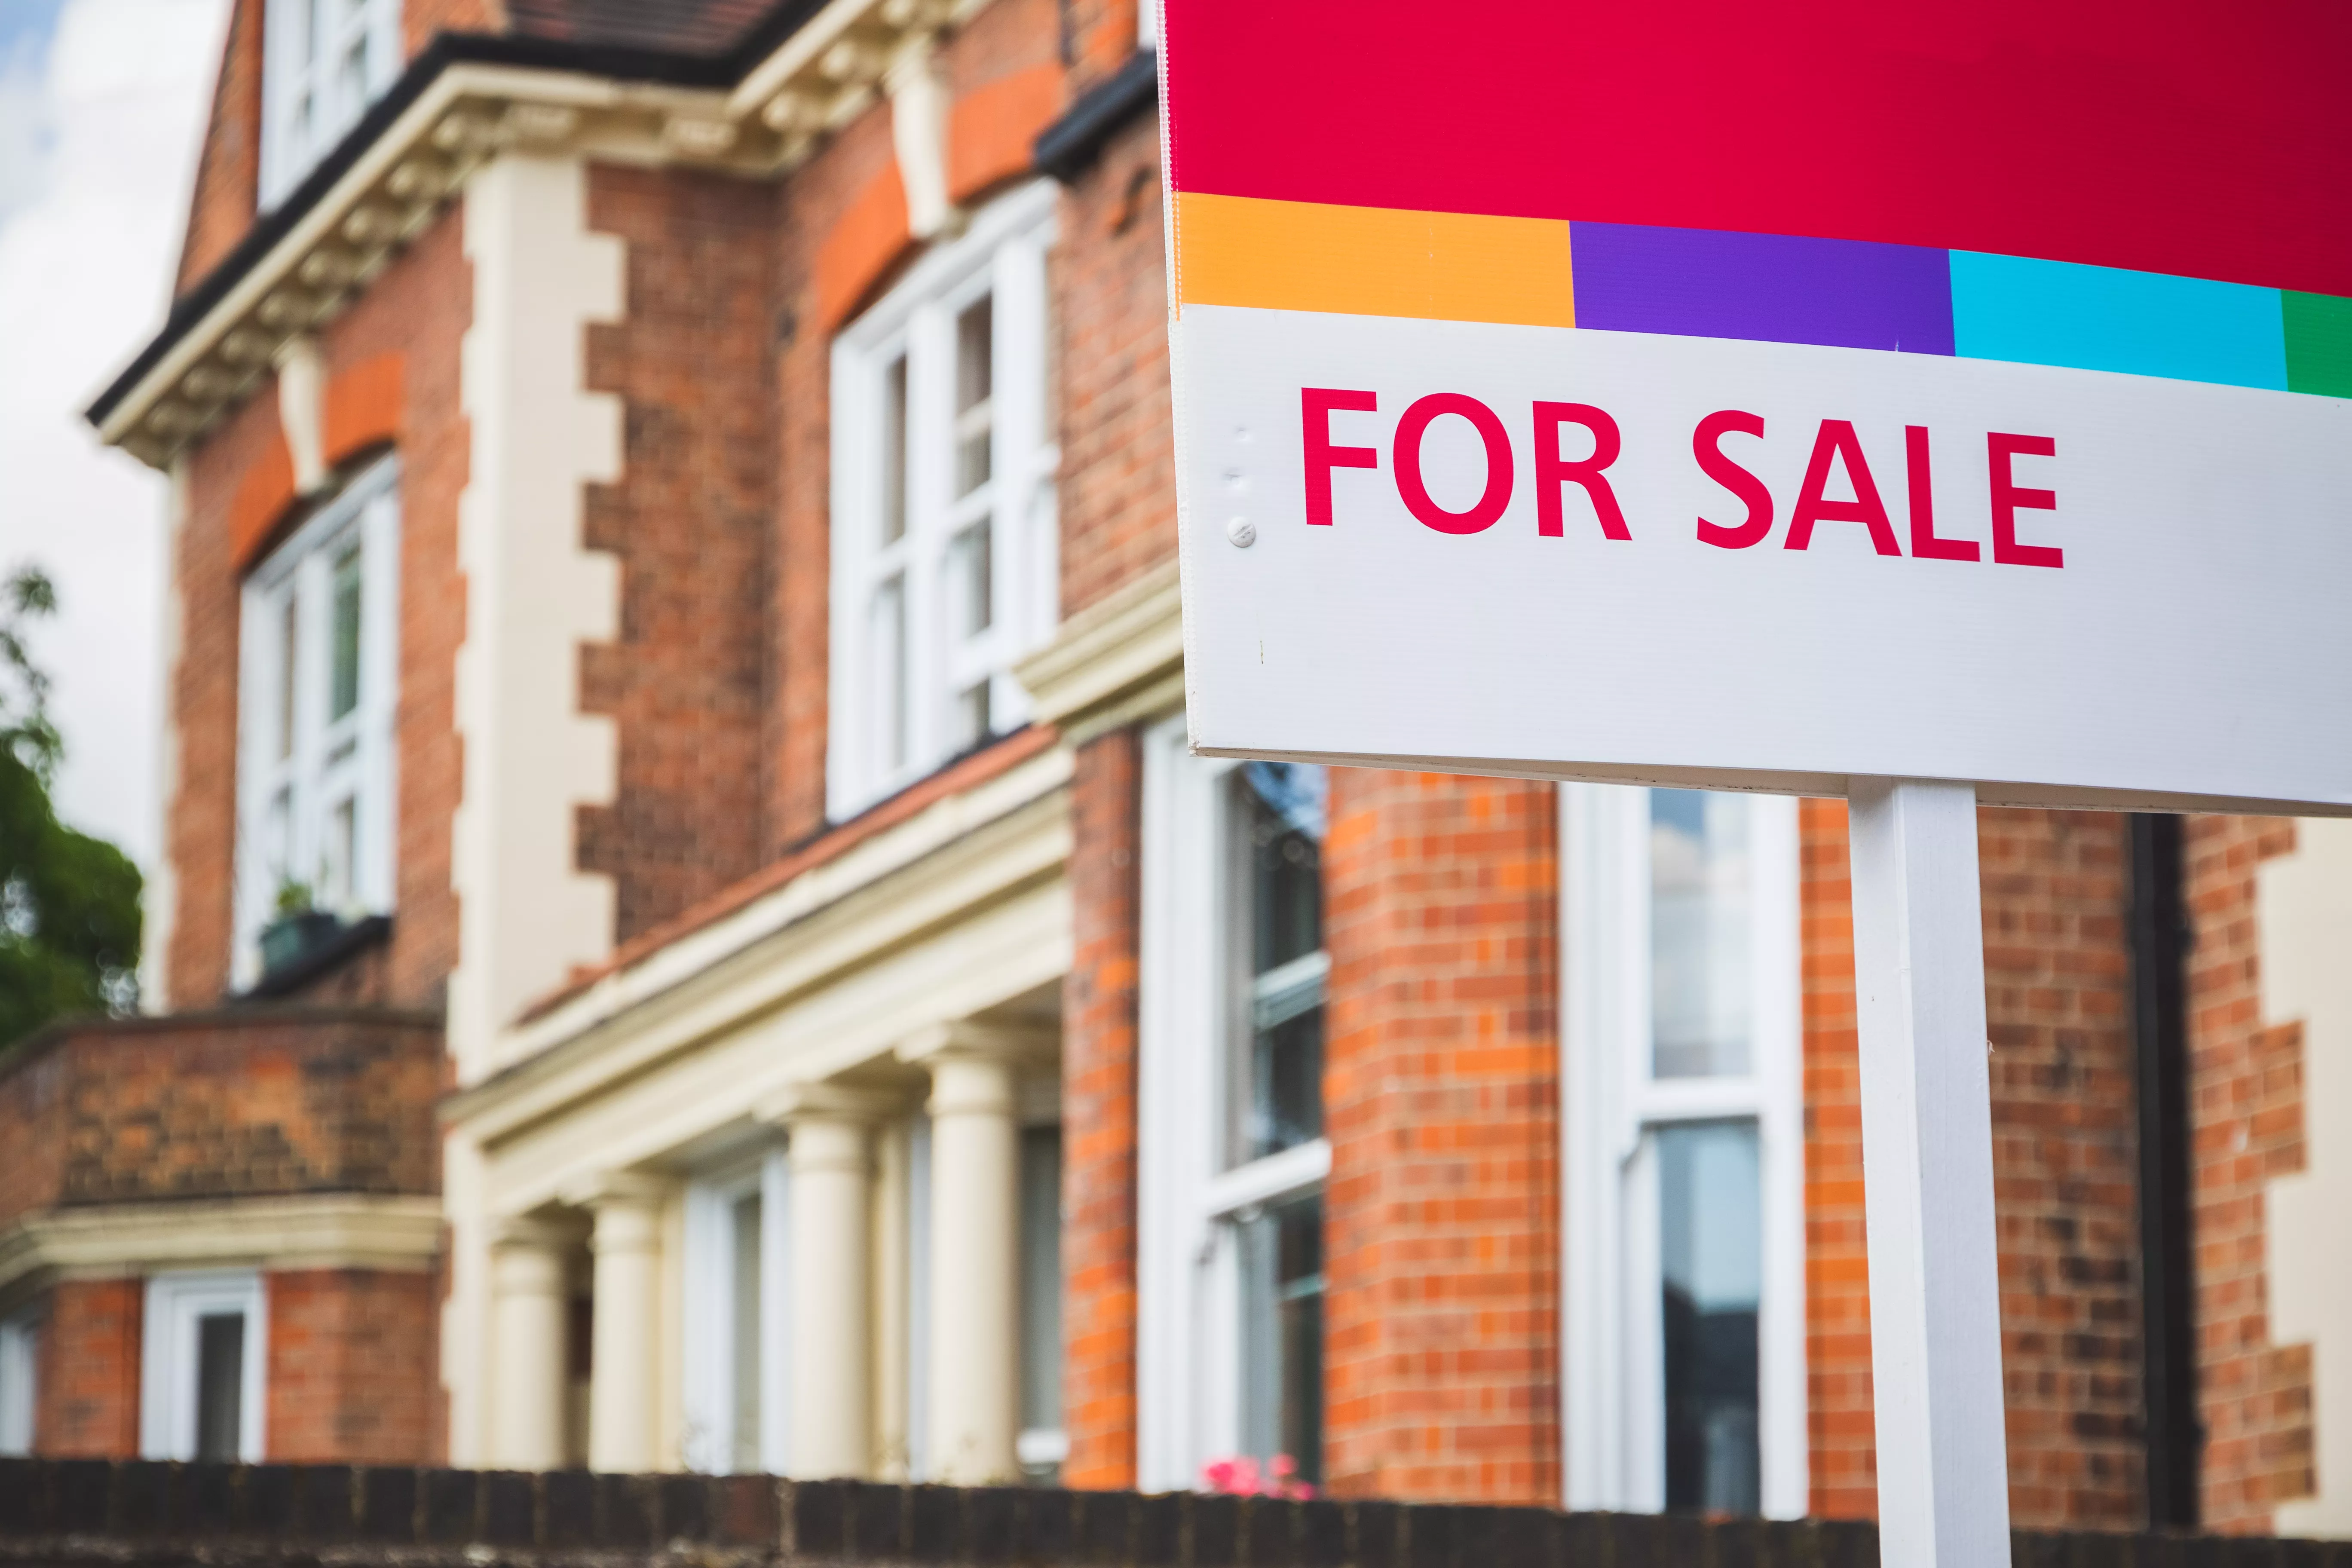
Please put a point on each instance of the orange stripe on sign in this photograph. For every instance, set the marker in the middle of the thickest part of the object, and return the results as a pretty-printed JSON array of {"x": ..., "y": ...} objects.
[{"x": 1373, "y": 261}]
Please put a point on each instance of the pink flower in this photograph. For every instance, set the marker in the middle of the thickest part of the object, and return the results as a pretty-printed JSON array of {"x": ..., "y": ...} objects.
[{"x": 1239, "y": 1477}]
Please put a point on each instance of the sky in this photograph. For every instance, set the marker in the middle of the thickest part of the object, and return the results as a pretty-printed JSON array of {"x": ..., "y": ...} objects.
[{"x": 101, "y": 103}]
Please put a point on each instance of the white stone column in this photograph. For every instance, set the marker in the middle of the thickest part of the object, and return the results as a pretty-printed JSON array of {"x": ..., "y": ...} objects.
[
  {"x": 627, "y": 1244},
  {"x": 832, "y": 1161},
  {"x": 975, "y": 1291},
  {"x": 527, "y": 1349}
]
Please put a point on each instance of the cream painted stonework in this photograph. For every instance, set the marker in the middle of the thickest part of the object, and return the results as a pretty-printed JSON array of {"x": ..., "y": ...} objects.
[
  {"x": 527, "y": 914},
  {"x": 159, "y": 897},
  {"x": 2305, "y": 912}
]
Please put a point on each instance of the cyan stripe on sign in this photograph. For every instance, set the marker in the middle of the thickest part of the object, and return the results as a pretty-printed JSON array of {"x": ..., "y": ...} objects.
[
  {"x": 2103, "y": 318},
  {"x": 1773, "y": 288}
]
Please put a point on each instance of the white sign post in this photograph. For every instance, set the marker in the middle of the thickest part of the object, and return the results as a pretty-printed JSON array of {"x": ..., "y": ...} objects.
[{"x": 1927, "y": 1150}]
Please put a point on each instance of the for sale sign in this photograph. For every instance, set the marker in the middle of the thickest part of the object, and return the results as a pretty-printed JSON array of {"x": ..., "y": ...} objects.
[{"x": 1766, "y": 396}]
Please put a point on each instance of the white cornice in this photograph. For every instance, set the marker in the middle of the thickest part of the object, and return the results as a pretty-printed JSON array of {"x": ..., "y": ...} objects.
[
  {"x": 470, "y": 113},
  {"x": 1118, "y": 660},
  {"x": 817, "y": 80},
  {"x": 329, "y": 1230},
  {"x": 959, "y": 854}
]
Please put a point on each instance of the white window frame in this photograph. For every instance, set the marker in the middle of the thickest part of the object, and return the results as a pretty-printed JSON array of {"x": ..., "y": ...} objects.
[
  {"x": 1613, "y": 1390},
  {"x": 1002, "y": 253},
  {"x": 168, "y": 1366},
  {"x": 351, "y": 759},
  {"x": 710, "y": 1348},
  {"x": 290, "y": 69},
  {"x": 1187, "y": 1265},
  {"x": 19, "y": 1380}
]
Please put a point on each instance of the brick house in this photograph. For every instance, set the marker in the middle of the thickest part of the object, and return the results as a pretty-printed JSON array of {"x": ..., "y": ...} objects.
[{"x": 673, "y": 566}]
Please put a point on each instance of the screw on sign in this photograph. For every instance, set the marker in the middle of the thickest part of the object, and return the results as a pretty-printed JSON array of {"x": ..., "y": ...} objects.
[{"x": 1846, "y": 400}]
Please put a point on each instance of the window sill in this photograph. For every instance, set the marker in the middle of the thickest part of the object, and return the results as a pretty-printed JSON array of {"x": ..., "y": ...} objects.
[{"x": 329, "y": 954}]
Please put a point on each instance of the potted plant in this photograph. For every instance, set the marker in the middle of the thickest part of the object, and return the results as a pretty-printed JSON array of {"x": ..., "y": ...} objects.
[{"x": 296, "y": 927}]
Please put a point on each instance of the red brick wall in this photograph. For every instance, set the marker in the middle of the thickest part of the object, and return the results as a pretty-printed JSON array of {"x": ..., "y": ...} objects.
[
  {"x": 1098, "y": 34},
  {"x": 418, "y": 309},
  {"x": 228, "y": 166},
  {"x": 1098, "y": 1114},
  {"x": 2066, "y": 1151},
  {"x": 811, "y": 203},
  {"x": 1441, "y": 1091},
  {"x": 688, "y": 520},
  {"x": 2057, "y": 994},
  {"x": 352, "y": 1359},
  {"x": 420, "y": 19},
  {"x": 201, "y": 1106},
  {"x": 2245, "y": 1114},
  {"x": 1118, "y": 455},
  {"x": 87, "y": 1384},
  {"x": 1841, "y": 1465}
]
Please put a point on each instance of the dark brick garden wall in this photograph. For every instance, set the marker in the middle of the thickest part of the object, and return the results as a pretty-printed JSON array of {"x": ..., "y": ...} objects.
[{"x": 73, "y": 1513}]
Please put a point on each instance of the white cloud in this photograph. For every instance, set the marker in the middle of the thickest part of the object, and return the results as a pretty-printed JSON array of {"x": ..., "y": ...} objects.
[{"x": 111, "y": 117}]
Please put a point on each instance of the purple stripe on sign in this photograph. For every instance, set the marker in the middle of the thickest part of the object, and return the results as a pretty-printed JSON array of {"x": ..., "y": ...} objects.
[{"x": 1712, "y": 283}]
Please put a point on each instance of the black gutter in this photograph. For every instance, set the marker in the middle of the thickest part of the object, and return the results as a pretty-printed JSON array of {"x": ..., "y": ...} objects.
[
  {"x": 2160, "y": 939},
  {"x": 613, "y": 61},
  {"x": 1064, "y": 148}
]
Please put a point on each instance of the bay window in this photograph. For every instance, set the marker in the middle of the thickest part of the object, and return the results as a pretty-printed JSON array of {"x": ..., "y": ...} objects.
[
  {"x": 320, "y": 641},
  {"x": 1232, "y": 1154},
  {"x": 1684, "y": 1274},
  {"x": 323, "y": 62},
  {"x": 943, "y": 505}
]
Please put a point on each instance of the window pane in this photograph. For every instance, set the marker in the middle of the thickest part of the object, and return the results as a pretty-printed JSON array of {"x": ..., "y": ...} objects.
[
  {"x": 1277, "y": 1100},
  {"x": 1283, "y": 804},
  {"x": 343, "y": 687},
  {"x": 338, "y": 855},
  {"x": 220, "y": 1385},
  {"x": 971, "y": 718},
  {"x": 1041, "y": 1279},
  {"x": 1282, "y": 1336},
  {"x": 971, "y": 575},
  {"x": 889, "y": 630},
  {"x": 975, "y": 381},
  {"x": 745, "y": 1325},
  {"x": 1699, "y": 933},
  {"x": 1711, "y": 1263},
  {"x": 288, "y": 656},
  {"x": 894, "y": 451}
]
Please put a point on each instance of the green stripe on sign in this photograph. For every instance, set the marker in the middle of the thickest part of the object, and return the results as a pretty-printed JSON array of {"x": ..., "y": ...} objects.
[{"x": 2318, "y": 343}]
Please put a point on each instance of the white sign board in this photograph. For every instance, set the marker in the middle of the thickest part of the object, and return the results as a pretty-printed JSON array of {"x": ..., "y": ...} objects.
[{"x": 2170, "y": 626}]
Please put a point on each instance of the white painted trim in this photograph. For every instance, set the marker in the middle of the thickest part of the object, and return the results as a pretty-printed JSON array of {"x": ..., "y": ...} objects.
[
  {"x": 333, "y": 1230},
  {"x": 168, "y": 1367},
  {"x": 159, "y": 896},
  {"x": 1611, "y": 1393},
  {"x": 1188, "y": 1330},
  {"x": 1001, "y": 255},
  {"x": 19, "y": 1380},
  {"x": 1297, "y": 1169}
]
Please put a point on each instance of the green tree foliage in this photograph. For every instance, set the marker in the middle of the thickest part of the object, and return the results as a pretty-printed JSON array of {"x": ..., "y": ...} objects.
[{"x": 68, "y": 902}]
